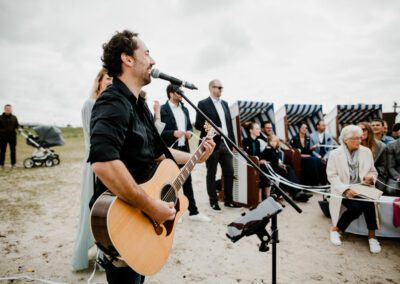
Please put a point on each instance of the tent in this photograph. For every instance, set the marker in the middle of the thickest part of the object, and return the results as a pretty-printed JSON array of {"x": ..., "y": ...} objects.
[
  {"x": 289, "y": 115},
  {"x": 351, "y": 114}
]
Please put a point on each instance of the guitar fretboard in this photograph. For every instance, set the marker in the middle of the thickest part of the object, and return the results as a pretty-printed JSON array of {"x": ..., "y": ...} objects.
[{"x": 188, "y": 167}]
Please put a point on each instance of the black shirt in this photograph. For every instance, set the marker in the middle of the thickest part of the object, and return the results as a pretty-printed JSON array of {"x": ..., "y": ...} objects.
[
  {"x": 296, "y": 143},
  {"x": 8, "y": 125},
  {"x": 122, "y": 128},
  {"x": 251, "y": 146}
]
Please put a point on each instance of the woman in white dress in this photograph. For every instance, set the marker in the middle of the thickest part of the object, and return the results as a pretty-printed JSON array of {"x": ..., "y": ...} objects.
[{"x": 84, "y": 240}]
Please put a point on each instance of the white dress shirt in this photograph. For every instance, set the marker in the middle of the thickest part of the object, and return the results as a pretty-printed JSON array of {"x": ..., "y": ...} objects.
[
  {"x": 221, "y": 114},
  {"x": 180, "y": 119}
]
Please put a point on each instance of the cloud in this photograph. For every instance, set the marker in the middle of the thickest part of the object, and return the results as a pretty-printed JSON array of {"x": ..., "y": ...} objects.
[{"x": 279, "y": 51}]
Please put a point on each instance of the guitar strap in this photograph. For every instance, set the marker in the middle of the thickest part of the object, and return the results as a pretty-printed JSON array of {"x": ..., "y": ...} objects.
[{"x": 158, "y": 139}]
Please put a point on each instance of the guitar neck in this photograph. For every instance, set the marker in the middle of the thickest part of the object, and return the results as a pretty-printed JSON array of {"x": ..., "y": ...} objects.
[{"x": 188, "y": 167}]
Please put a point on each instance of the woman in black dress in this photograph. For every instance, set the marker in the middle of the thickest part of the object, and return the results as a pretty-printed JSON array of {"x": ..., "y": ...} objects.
[
  {"x": 310, "y": 165},
  {"x": 252, "y": 146}
]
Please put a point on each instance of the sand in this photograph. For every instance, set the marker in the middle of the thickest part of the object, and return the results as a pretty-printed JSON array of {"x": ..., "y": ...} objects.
[{"x": 39, "y": 213}]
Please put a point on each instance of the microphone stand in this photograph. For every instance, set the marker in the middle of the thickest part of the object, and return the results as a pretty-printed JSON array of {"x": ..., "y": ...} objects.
[{"x": 274, "y": 226}]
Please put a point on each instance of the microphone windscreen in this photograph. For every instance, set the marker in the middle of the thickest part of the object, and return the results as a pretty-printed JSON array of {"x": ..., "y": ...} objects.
[{"x": 155, "y": 73}]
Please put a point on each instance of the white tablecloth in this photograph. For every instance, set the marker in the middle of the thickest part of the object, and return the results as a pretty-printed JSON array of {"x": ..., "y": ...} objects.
[{"x": 359, "y": 226}]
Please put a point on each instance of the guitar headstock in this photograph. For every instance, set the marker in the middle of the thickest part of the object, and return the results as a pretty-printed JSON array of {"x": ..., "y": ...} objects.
[{"x": 210, "y": 130}]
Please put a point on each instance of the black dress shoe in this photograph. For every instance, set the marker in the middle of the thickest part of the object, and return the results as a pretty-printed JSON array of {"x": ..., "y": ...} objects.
[
  {"x": 231, "y": 205},
  {"x": 301, "y": 197},
  {"x": 215, "y": 207}
]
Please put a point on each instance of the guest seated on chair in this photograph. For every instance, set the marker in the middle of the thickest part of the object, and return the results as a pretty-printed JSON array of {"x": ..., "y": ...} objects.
[
  {"x": 351, "y": 163},
  {"x": 273, "y": 155},
  {"x": 310, "y": 165},
  {"x": 378, "y": 152},
  {"x": 393, "y": 167},
  {"x": 323, "y": 140},
  {"x": 251, "y": 145}
]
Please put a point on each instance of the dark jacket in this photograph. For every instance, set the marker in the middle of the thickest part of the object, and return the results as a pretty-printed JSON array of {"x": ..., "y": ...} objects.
[
  {"x": 393, "y": 159},
  {"x": 8, "y": 126},
  {"x": 251, "y": 147},
  {"x": 295, "y": 143},
  {"x": 167, "y": 116},
  {"x": 207, "y": 106}
]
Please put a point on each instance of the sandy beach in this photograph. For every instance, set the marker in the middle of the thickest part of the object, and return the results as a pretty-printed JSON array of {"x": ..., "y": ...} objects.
[{"x": 39, "y": 213}]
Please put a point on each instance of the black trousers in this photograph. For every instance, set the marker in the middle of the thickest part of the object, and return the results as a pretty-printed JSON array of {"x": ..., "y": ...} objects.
[
  {"x": 222, "y": 156},
  {"x": 354, "y": 210},
  {"x": 121, "y": 275},
  {"x": 3, "y": 146},
  {"x": 188, "y": 188}
]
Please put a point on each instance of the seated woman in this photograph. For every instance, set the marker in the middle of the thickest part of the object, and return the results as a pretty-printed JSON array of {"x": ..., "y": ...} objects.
[
  {"x": 378, "y": 152},
  {"x": 393, "y": 167},
  {"x": 310, "y": 165},
  {"x": 252, "y": 146},
  {"x": 272, "y": 154},
  {"x": 351, "y": 163}
]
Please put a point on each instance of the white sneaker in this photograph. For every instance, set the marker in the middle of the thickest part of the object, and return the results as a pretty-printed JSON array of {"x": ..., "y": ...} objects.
[
  {"x": 199, "y": 218},
  {"x": 374, "y": 246},
  {"x": 335, "y": 238}
]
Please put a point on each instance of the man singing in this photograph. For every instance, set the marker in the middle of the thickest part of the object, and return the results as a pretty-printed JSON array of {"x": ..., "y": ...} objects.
[{"x": 125, "y": 145}]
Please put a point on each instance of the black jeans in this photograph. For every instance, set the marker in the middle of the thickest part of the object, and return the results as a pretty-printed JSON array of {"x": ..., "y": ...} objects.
[
  {"x": 121, "y": 275},
  {"x": 3, "y": 147},
  {"x": 222, "y": 156},
  {"x": 354, "y": 210},
  {"x": 188, "y": 191},
  {"x": 188, "y": 187}
]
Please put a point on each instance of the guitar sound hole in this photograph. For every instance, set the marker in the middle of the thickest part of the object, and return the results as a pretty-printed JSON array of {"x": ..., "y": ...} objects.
[{"x": 168, "y": 194}]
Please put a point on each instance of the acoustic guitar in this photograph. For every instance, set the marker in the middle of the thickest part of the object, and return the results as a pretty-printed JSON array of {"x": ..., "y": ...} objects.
[{"x": 124, "y": 231}]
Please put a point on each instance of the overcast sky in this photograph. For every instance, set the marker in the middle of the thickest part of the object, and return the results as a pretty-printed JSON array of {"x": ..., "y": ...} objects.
[{"x": 315, "y": 52}]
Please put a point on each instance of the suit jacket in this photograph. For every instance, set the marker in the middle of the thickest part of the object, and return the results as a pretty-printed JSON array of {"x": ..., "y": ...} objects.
[
  {"x": 393, "y": 159},
  {"x": 338, "y": 174},
  {"x": 314, "y": 139},
  {"x": 295, "y": 143},
  {"x": 207, "y": 106},
  {"x": 167, "y": 117}
]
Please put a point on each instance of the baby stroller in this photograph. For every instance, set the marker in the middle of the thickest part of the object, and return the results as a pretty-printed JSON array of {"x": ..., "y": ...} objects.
[{"x": 47, "y": 136}]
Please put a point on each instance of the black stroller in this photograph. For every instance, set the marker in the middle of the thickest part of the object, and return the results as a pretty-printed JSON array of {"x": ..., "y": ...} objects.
[{"x": 47, "y": 136}]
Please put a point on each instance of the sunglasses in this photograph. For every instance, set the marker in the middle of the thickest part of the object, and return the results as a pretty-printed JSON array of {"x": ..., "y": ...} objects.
[{"x": 218, "y": 87}]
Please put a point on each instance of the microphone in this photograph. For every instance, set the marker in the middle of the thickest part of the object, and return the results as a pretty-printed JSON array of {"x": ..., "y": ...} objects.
[{"x": 155, "y": 73}]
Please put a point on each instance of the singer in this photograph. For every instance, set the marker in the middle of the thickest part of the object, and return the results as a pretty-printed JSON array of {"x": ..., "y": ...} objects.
[{"x": 125, "y": 145}]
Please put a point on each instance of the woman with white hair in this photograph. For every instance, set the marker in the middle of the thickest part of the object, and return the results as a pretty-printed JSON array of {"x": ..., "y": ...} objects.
[{"x": 351, "y": 163}]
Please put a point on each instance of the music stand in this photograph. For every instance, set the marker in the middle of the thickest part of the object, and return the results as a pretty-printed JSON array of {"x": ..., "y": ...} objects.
[{"x": 254, "y": 222}]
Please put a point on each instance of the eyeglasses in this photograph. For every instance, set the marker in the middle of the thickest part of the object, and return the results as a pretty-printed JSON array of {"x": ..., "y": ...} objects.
[
  {"x": 355, "y": 138},
  {"x": 218, "y": 87}
]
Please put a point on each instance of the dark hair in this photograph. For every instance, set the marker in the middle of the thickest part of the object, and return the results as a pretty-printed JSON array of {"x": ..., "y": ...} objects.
[
  {"x": 319, "y": 121},
  {"x": 301, "y": 124},
  {"x": 171, "y": 88},
  {"x": 7, "y": 105},
  {"x": 378, "y": 120},
  {"x": 266, "y": 122},
  {"x": 396, "y": 127},
  {"x": 121, "y": 42}
]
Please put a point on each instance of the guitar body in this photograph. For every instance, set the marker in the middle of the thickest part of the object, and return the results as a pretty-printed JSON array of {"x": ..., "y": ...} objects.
[{"x": 120, "y": 228}]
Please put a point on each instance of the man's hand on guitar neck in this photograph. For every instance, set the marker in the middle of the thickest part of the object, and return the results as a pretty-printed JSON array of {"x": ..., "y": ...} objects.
[{"x": 209, "y": 146}]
